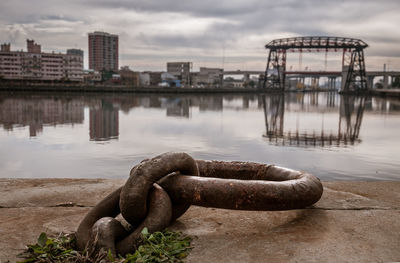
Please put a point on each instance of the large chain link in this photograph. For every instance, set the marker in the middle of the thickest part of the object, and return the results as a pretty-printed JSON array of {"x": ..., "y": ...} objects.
[{"x": 161, "y": 189}]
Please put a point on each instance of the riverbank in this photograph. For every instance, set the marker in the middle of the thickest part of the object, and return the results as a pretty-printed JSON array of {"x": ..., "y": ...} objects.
[
  {"x": 387, "y": 93},
  {"x": 103, "y": 88},
  {"x": 353, "y": 222}
]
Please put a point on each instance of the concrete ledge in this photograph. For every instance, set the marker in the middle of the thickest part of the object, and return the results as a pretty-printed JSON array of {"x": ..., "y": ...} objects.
[{"x": 353, "y": 222}]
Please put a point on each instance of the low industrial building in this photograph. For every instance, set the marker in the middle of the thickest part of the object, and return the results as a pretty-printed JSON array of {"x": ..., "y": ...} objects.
[
  {"x": 181, "y": 70},
  {"x": 233, "y": 83},
  {"x": 149, "y": 78},
  {"x": 129, "y": 77},
  {"x": 91, "y": 76},
  {"x": 208, "y": 77}
]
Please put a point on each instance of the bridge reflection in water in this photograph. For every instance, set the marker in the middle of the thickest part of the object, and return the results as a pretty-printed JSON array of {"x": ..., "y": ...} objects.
[{"x": 350, "y": 117}]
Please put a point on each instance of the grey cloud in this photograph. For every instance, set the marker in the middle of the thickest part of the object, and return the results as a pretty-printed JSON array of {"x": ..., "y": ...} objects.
[
  {"x": 227, "y": 8},
  {"x": 244, "y": 20},
  {"x": 205, "y": 8},
  {"x": 23, "y": 12},
  {"x": 385, "y": 40},
  {"x": 60, "y": 18}
]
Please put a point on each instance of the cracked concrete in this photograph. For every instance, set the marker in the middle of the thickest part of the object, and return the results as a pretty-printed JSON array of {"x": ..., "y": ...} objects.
[{"x": 353, "y": 222}]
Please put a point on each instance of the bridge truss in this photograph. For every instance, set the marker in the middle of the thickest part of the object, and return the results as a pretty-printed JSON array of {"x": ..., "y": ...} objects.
[{"x": 353, "y": 62}]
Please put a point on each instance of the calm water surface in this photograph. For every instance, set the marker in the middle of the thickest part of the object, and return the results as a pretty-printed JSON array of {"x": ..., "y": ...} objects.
[{"x": 104, "y": 135}]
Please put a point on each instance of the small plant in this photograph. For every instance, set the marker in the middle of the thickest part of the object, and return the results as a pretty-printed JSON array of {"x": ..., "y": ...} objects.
[
  {"x": 46, "y": 249},
  {"x": 165, "y": 246}
]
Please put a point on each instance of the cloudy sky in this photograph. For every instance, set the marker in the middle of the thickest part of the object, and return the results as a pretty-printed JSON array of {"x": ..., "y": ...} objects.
[{"x": 223, "y": 33}]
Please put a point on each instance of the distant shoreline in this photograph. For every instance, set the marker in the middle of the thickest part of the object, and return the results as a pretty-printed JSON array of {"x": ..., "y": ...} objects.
[{"x": 104, "y": 88}]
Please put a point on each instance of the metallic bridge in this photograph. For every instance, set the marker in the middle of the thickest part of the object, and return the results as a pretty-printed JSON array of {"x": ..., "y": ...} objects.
[{"x": 353, "y": 62}]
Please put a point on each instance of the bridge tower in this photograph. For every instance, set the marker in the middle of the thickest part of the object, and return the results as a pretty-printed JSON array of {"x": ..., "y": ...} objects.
[
  {"x": 353, "y": 70},
  {"x": 275, "y": 71}
]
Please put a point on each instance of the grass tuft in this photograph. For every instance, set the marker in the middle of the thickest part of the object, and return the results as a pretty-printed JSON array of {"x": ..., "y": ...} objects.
[{"x": 165, "y": 246}]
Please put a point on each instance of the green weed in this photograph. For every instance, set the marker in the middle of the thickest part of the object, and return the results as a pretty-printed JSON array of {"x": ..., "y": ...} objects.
[
  {"x": 165, "y": 246},
  {"x": 59, "y": 249}
]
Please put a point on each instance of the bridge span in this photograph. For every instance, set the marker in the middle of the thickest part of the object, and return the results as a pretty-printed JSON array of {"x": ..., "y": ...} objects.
[
  {"x": 388, "y": 76},
  {"x": 322, "y": 73}
]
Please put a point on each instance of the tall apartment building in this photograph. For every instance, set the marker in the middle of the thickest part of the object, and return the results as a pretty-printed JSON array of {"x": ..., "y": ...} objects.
[
  {"x": 103, "y": 51},
  {"x": 37, "y": 65}
]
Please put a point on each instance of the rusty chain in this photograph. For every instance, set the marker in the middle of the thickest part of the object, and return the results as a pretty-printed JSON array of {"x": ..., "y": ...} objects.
[{"x": 161, "y": 189}]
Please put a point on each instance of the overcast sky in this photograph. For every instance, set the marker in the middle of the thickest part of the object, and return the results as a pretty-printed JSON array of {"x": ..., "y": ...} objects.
[{"x": 213, "y": 33}]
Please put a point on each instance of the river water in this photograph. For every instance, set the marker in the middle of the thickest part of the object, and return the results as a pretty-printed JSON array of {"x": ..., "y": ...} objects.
[{"x": 103, "y": 135}]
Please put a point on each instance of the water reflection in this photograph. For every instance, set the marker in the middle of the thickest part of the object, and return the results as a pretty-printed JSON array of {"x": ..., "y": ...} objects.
[
  {"x": 350, "y": 118},
  {"x": 177, "y": 107},
  {"x": 37, "y": 111},
  {"x": 292, "y": 119},
  {"x": 104, "y": 121}
]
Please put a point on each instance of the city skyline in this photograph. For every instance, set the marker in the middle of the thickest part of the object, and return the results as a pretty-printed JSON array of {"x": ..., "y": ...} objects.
[{"x": 226, "y": 34}]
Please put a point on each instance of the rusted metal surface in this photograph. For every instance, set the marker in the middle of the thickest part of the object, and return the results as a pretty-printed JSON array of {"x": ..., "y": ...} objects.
[{"x": 161, "y": 189}]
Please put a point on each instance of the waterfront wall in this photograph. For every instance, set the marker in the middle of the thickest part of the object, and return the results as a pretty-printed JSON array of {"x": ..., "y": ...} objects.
[{"x": 64, "y": 87}]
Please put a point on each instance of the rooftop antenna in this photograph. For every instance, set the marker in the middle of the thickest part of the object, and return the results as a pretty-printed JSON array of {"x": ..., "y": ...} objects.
[{"x": 223, "y": 56}]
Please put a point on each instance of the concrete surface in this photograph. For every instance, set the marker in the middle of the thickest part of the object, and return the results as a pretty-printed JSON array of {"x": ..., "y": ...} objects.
[{"x": 353, "y": 222}]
